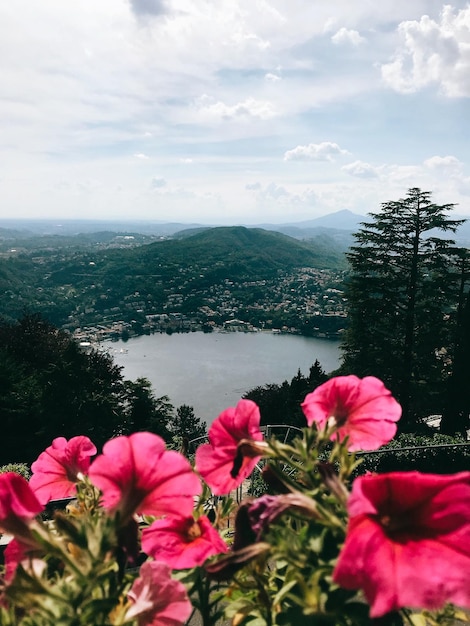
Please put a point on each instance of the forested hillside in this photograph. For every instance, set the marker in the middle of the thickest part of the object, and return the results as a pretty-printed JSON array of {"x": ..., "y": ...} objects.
[
  {"x": 50, "y": 388},
  {"x": 77, "y": 286},
  {"x": 406, "y": 296}
]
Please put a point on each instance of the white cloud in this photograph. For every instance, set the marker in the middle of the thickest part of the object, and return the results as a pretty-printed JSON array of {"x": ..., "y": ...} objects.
[
  {"x": 447, "y": 164},
  {"x": 283, "y": 202},
  {"x": 308, "y": 198},
  {"x": 241, "y": 39},
  {"x": 325, "y": 151},
  {"x": 360, "y": 169},
  {"x": 104, "y": 90},
  {"x": 181, "y": 203},
  {"x": 345, "y": 36},
  {"x": 148, "y": 7},
  {"x": 433, "y": 52},
  {"x": 273, "y": 78},
  {"x": 463, "y": 186},
  {"x": 210, "y": 109},
  {"x": 405, "y": 175},
  {"x": 450, "y": 169},
  {"x": 158, "y": 183},
  {"x": 253, "y": 186},
  {"x": 275, "y": 191}
]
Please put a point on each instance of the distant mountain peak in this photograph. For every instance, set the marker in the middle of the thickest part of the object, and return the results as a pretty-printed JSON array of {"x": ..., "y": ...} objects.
[{"x": 343, "y": 219}]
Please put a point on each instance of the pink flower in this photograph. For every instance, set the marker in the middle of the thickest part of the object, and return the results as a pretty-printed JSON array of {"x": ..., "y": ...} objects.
[
  {"x": 136, "y": 474},
  {"x": 158, "y": 600},
  {"x": 18, "y": 507},
  {"x": 363, "y": 410},
  {"x": 56, "y": 470},
  {"x": 222, "y": 463},
  {"x": 16, "y": 553},
  {"x": 408, "y": 541},
  {"x": 182, "y": 542}
]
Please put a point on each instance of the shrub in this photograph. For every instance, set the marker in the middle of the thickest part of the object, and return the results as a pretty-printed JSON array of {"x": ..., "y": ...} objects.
[
  {"x": 19, "y": 468},
  {"x": 439, "y": 454}
]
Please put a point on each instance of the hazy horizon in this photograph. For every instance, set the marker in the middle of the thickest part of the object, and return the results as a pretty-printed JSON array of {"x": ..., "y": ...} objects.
[{"x": 130, "y": 220}]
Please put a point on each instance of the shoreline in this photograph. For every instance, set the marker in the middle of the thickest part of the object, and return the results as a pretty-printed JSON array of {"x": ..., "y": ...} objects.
[{"x": 95, "y": 335}]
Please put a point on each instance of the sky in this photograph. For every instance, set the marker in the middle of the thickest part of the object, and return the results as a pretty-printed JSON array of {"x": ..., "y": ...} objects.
[{"x": 231, "y": 111}]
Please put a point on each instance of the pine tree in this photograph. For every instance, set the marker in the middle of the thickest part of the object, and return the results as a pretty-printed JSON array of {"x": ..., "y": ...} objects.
[
  {"x": 401, "y": 295},
  {"x": 456, "y": 414},
  {"x": 186, "y": 425},
  {"x": 144, "y": 411}
]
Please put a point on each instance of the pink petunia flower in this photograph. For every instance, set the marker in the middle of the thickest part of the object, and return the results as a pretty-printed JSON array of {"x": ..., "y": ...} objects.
[
  {"x": 408, "y": 541},
  {"x": 15, "y": 553},
  {"x": 363, "y": 410},
  {"x": 182, "y": 542},
  {"x": 18, "y": 507},
  {"x": 136, "y": 474},
  {"x": 56, "y": 470},
  {"x": 223, "y": 463},
  {"x": 158, "y": 600}
]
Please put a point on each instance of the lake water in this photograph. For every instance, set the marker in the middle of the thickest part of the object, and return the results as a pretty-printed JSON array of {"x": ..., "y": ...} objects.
[{"x": 211, "y": 372}]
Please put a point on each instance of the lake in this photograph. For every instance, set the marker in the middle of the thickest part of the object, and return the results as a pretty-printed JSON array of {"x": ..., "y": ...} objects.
[{"x": 211, "y": 372}]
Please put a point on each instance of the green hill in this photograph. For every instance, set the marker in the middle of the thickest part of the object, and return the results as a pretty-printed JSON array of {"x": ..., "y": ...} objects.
[
  {"x": 72, "y": 284},
  {"x": 253, "y": 249}
]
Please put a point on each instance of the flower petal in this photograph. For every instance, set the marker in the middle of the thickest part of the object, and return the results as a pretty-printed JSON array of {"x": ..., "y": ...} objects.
[
  {"x": 408, "y": 541},
  {"x": 182, "y": 542},
  {"x": 56, "y": 469},
  {"x": 138, "y": 475},
  {"x": 364, "y": 410},
  {"x": 215, "y": 460},
  {"x": 18, "y": 508},
  {"x": 18, "y": 504},
  {"x": 158, "y": 599}
]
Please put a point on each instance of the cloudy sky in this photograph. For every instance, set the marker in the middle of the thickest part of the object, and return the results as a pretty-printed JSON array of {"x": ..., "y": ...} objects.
[{"x": 231, "y": 111}]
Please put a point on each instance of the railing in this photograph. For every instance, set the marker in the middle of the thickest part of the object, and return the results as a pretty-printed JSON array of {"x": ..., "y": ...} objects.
[
  {"x": 266, "y": 430},
  {"x": 286, "y": 431},
  {"x": 406, "y": 448}
]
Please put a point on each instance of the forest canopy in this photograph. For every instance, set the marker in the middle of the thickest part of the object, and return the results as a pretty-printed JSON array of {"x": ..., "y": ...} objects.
[{"x": 50, "y": 387}]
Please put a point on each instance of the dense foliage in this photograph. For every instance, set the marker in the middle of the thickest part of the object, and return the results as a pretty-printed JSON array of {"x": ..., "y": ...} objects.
[
  {"x": 436, "y": 453},
  {"x": 280, "y": 404},
  {"x": 50, "y": 387},
  {"x": 405, "y": 289},
  {"x": 76, "y": 286},
  {"x": 17, "y": 468},
  {"x": 457, "y": 403}
]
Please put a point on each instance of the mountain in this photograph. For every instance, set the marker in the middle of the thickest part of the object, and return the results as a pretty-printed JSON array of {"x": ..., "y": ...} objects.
[
  {"x": 342, "y": 220},
  {"x": 337, "y": 228}
]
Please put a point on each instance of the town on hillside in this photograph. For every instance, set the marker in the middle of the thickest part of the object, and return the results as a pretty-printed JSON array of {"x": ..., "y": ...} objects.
[{"x": 306, "y": 301}]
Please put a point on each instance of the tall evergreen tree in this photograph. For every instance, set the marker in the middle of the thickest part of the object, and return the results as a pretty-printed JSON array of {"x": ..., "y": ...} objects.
[
  {"x": 280, "y": 404},
  {"x": 401, "y": 294},
  {"x": 456, "y": 414},
  {"x": 186, "y": 425},
  {"x": 144, "y": 411}
]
